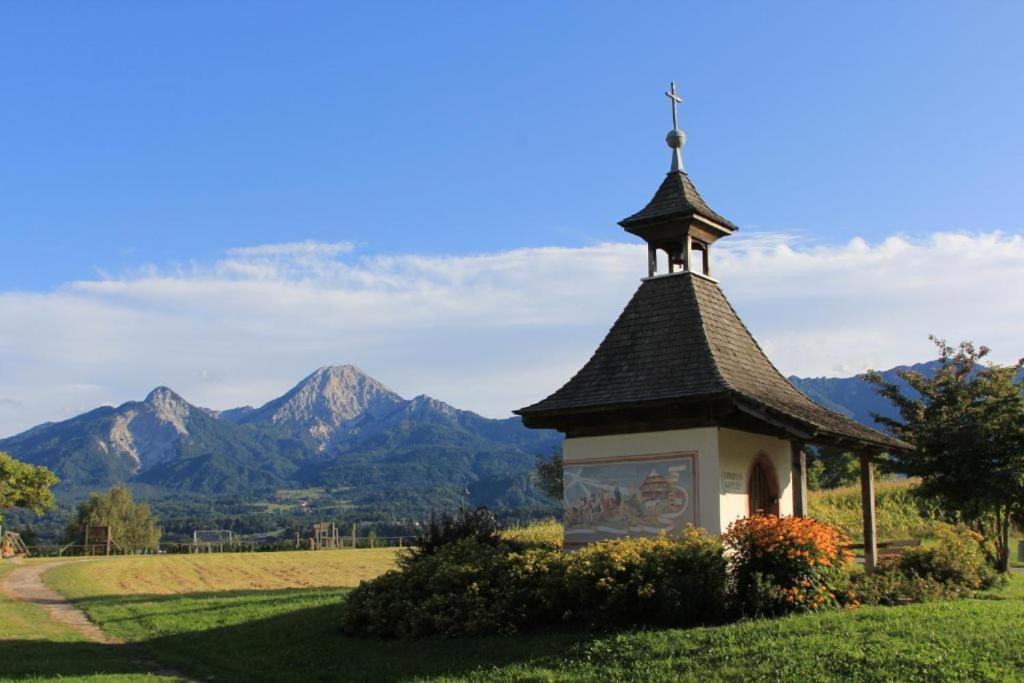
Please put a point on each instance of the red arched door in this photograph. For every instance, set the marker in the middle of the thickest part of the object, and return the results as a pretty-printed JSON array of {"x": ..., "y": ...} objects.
[{"x": 763, "y": 488}]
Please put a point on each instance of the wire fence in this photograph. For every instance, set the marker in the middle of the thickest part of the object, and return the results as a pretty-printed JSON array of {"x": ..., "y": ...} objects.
[{"x": 236, "y": 545}]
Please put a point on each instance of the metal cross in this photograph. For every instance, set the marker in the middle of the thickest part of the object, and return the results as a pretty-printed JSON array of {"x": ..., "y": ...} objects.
[{"x": 676, "y": 99}]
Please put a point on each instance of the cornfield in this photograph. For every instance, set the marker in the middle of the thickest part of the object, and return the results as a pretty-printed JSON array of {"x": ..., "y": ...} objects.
[{"x": 899, "y": 512}]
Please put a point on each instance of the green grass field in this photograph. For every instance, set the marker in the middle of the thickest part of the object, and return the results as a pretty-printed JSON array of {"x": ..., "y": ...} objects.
[
  {"x": 291, "y": 634},
  {"x": 33, "y": 647}
]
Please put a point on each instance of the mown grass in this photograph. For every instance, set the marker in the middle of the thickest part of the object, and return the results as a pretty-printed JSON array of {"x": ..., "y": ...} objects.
[
  {"x": 292, "y": 634},
  {"x": 167, "y": 574},
  {"x": 34, "y": 647}
]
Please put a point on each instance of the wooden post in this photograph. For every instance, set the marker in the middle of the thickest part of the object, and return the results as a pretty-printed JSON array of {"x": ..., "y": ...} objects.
[
  {"x": 799, "y": 478},
  {"x": 353, "y": 534},
  {"x": 652, "y": 260},
  {"x": 687, "y": 256},
  {"x": 867, "y": 498}
]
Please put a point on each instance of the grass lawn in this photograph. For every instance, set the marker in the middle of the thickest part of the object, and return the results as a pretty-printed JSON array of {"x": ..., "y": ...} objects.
[
  {"x": 291, "y": 634},
  {"x": 34, "y": 647}
]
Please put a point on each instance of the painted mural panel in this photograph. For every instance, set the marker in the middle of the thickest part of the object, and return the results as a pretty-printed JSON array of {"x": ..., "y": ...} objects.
[{"x": 634, "y": 496}]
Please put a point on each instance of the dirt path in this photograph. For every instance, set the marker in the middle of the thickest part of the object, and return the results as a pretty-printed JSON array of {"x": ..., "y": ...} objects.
[{"x": 25, "y": 583}]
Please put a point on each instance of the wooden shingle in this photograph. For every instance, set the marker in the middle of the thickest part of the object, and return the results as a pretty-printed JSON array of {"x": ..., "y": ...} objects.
[{"x": 679, "y": 338}]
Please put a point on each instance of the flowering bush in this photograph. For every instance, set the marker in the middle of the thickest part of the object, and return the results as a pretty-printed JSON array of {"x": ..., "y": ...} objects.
[
  {"x": 474, "y": 583},
  {"x": 664, "y": 581},
  {"x": 786, "y": 564}
]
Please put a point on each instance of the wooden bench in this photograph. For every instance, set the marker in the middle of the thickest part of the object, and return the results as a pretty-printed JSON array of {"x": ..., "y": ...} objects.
[{"x": 891, "y": 548}]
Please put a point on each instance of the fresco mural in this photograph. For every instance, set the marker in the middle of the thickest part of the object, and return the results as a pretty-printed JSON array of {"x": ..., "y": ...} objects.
[{"x": 636, "y": 496}]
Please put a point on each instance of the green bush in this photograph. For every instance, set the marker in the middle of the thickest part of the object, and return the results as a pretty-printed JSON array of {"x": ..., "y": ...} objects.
[
  {"x": 956, "y": 566},
  {"x": 648, "y": 581},
  {"x": 958, "y": 559},
  {"x": 481, "y": 525},
  {"x": 520, "y": 580},
  {"x": 464, "y": 588},
  {"x": 468, "y": 587},
  {"x": 890, "y": 586}
]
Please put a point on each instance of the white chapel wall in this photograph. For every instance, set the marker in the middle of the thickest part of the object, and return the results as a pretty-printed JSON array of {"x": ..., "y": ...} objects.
[
  {"x": 622, "y": 449},
  {"x": 736, "y": 454}
]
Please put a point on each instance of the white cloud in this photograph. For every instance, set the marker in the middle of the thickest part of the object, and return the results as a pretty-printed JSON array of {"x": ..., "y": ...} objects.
[
  {"x": 488, "y": 332},
  {"x": 307, "y": 248}
]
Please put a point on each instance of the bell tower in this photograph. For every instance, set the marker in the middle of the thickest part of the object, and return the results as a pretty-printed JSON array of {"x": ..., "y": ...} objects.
[
  {"x": 679, "y": 417},
  {"x": 677, "y": 220}
]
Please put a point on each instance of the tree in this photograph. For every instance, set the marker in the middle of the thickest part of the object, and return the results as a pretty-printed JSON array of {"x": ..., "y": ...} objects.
[
  {"x": 831, "y": 467},
  {"x": 131, "y": 524},
  {"x": 967, "y": 426},
  {"x": 548, "y": 474},
  {"x": 25, "y": 486}
]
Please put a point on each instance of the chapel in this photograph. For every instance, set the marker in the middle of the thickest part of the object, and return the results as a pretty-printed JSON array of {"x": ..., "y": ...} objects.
[{"x": 679, "y": 417}]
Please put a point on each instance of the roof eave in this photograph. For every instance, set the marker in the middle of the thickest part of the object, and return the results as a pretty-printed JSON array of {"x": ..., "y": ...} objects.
[
  {"x": 637, "y": 222},
  {"x": 804, "y": 430},
  {"x": 534, "y": 413}
]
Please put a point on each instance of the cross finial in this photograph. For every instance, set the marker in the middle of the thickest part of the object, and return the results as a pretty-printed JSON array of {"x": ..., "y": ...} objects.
[
  {"x": 675, "y": 99},
  {"x": 675, "y": 138}
]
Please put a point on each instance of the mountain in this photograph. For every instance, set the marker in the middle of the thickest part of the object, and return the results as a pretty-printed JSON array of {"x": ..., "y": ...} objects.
[
  {"x": 162, "y": 440},
  {"x": 322, "y": 404},
  {"x": 337, "y": 428},
  {"x": 855, "y": 397}
]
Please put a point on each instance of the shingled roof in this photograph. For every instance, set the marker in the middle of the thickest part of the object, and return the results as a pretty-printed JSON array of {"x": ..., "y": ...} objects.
[
  {"x": 679, "y": 338},
  {"x": 675, "y": 197}
]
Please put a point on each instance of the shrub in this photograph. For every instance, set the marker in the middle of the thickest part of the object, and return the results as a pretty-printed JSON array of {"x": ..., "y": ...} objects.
[
  {"x": 891, "y": 586},
  {"x": 784, "y": 564},
  {"x": 956, "y": 566},
  {"x": 463, "y": 588},
  {"x": 481, "y": 525},
  {"x": 958, "y": 559},
  {"x": 469, "y": 587},
  {"x": 677, "y": 581}
]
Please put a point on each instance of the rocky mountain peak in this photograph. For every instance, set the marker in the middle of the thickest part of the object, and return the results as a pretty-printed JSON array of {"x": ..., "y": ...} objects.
[
  {"x": 162, "y": 394},
  {"x": 331, "y": 396},
  {"x": 168, "y": 407}
]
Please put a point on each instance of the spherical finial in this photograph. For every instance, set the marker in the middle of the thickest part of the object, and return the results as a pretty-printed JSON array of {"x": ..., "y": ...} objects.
[{"x": 675, "y": 138}]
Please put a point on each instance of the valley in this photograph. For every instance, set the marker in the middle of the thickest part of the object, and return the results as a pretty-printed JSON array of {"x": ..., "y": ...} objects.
[{"x": 362, "y": 453}]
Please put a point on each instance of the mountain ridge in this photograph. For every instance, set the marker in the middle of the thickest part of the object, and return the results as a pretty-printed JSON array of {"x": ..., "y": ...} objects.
[
  {"x": 339, "y": 429},
  {"x": 335, "y": 425}
]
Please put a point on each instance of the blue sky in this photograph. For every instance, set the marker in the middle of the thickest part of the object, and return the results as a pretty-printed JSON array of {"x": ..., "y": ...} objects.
[
  {"x": 150, "y": 133},
  {"x": 222, "y": 197}
]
